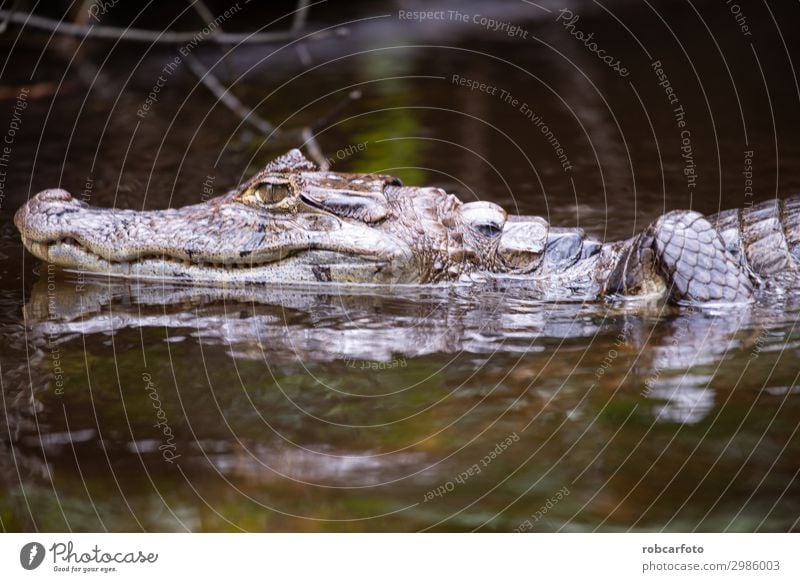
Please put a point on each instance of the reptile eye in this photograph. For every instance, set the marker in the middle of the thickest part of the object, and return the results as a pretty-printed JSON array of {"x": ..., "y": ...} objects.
[
  {"x": 485, "y": 218},
  {"x": 488, "y": 229},
  {"x": 272, "y": 192}
]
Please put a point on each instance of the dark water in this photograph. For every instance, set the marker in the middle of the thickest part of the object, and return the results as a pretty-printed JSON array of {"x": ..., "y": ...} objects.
[{"x": 146, "y": 407}]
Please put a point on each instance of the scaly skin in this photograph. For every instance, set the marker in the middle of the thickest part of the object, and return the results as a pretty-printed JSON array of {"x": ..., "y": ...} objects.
[{"x": 291, "y": 223}]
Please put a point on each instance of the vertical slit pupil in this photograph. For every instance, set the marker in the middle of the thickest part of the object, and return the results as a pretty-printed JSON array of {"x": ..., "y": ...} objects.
[{"x": 269, "y": 192}]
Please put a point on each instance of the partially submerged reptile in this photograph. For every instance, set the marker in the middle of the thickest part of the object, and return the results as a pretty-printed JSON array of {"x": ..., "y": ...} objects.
[{"x": 292, "y": 223}]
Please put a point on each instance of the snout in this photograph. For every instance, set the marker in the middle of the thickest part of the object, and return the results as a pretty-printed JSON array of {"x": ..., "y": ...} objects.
[{"x": 44, "y": 208}]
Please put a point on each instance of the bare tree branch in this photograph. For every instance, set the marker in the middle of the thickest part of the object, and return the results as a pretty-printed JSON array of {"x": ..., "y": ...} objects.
[
  {"x": 7, "y": 17},
  {"x": 300, "y": 15},
  {"x": 203, "y": 11},
  {"x": 314, "y": 150},
  {"x": 82, "y": 13},
  {"x": 141, "y": 35},
  {"x": 227, "y": 98},
  {"x": 305, "y": 133}
]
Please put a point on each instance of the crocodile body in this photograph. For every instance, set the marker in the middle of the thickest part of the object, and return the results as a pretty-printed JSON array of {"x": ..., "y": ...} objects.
[{"x": 292, "y": 223}]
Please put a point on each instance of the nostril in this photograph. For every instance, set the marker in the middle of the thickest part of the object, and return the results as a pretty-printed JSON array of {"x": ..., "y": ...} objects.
[
  {"x": 36, "y": 218},
  {"x": 54, "y": 195}
]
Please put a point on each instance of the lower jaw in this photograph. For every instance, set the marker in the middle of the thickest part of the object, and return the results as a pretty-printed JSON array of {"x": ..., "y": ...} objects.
[{"x": 313, "y": 267}]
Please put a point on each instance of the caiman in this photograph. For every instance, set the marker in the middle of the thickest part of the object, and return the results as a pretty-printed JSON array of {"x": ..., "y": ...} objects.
[{"x": 292, "y": 223}]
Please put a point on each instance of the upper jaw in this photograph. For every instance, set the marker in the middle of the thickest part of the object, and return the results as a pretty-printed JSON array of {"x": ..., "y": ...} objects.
[
  {"x": 227, "y": 240},
  {"x": 201, "y": 241}
]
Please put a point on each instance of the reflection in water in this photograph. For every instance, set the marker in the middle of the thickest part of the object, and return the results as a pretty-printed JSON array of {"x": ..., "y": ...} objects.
[
  {"x": 687, "y": 397},
  {"x": 369, "y": 402},
  {"x": 315, "y": 324}
]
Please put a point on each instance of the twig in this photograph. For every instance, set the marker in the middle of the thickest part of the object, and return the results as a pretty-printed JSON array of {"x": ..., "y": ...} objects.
[
  {"x": 300, "y": 15},
  {"x": 82, "y": 15},
  {"x": 298, "y": 22},
  {"x": 7, "y": 17},
  {"x": 92, "y": 77},
  {"x": 306, "y": 133},
  {"x": 205, "y": 14},
  {"x": 246, "y": 114},
  {"x": 141, "y": 35},
  {"x": 203, "y": 11},
  {"x": 227, "y": 98},
  {"x": 314, "y": 150}
]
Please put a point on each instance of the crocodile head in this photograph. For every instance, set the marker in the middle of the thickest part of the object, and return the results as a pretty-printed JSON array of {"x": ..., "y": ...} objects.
[{"x": 289, "y": 223}]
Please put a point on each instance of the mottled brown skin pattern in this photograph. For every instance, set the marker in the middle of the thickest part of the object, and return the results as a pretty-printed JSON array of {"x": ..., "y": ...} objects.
[{"x": 292, "y": 223}]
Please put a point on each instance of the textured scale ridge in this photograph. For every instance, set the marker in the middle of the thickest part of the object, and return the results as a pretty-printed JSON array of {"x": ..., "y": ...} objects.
[
  {"x": 764, "y": 240},
  {"x": 695, "y": 261},
  {"x": 790, "y": 219}
]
